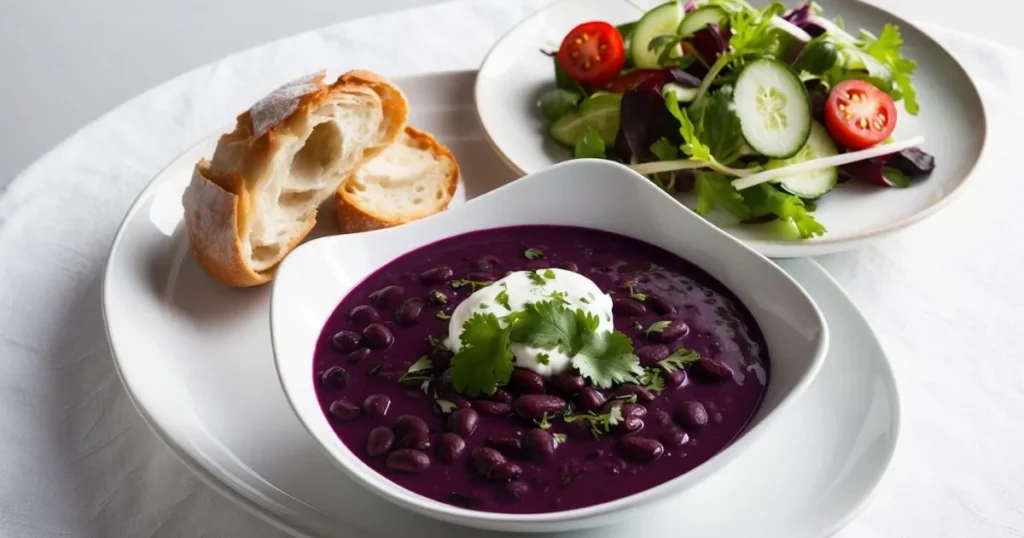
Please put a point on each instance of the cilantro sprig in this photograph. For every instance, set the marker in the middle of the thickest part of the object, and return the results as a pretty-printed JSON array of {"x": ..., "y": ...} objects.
[
  {"x": 418, "y": 371},
  {"x": 599, "y": 423},
  {"x": 678, "y": 360},
  {"x": 484, "y": 361}
]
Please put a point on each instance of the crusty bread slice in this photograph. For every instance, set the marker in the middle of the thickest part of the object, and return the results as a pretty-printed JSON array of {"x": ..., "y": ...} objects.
[
  {"x": 257, "y": 197},
  {"x": 414, "y": 177}
]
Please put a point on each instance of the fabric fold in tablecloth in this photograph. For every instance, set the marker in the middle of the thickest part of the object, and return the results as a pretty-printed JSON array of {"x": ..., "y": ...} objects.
[{"x": 944, "y": 297}]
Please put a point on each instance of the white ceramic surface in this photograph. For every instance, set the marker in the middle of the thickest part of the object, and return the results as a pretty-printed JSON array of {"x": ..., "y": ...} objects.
[
  {"x": 590, "y": 193},
  {"x": 195, "y": 359},
  {"x": 515, "y": 74}
]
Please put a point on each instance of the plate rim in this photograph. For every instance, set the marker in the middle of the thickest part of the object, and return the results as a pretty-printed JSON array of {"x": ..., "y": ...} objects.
[
  {"x": 281, "y": 523},
  {"x": 779, "y": 248}
]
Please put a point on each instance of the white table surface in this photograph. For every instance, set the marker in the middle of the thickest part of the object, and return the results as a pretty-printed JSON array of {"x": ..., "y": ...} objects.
[{"x": 76, "y": 460}]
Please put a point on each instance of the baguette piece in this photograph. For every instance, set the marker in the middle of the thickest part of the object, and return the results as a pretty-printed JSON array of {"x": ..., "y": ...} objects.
[
  {"x": 413, "y": 178},
  {"x": 257, "y": 197}
]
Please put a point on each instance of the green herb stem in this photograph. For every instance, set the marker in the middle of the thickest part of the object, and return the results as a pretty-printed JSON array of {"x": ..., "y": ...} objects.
[{"x": 705, "y": 84}]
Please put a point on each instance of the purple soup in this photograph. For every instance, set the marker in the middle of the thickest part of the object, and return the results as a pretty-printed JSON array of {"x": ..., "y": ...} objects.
[{"x": 533, "y": 444}]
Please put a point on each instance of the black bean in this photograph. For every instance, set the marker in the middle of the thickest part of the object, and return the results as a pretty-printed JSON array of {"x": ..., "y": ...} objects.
[
  {"x": 376, "y": 405},
  {"x": 642, "y": 395},
  {"x": 514, "y": 491},
  {"x": 712, "y": 370},
  {"x": 378, "y": 336},
  {"x": 660, "y": 419},
  {"x": 539, "y": 444},
  {"x": 535, "y": 406},
  {"x": 441, "y": 360},
  {"x": 345, "y": 410},
  {"x": 364, "y": 314},
  {"x": 463, "y": 422},
  {"x": 388, "y": 296},
  {"x": 486, "y": 263},
  {"x": 410, "y": 424},
  {"x": 640, "y": 449},
  {"x": 674, "y": 379},
  {"x": 691, "y": 415},
  {"x": 674, "y": 437},
  {"x": 650, "y": 355},
  {"x": 334, "y": 377},
  {"x": 450, "y": 447},
  {"x": 634, "y": 410},
  {"x": 589, "y": 399},
  {"x": 503, "y": 396},
  {"x": 508, "y": 446},
  {"x": 380, "y": 441},
  {"x": 345, "y": 340},
  {"x": 488, "y": 408},
  {"x": 628, "y": 425},
  {"x": 527, "y": 381},
  {"x": 569, "y": 266},
  {"x": 676, "y": 328},
  {"x": 484, "y": 459},
  {"x": 660, "y": 305},
  {"x": 444, "y": 382},
  {"x": 567, "y": 383},
  {"x": 408, "y": 460},
  {"x": 409, "y": 312},
  {"x": 480, "y": 276},
  {"x": 505, "y": 472},
  {"x": 358, "y": 355},
  {"x": 437, "y": 275},
  {"x": 626, "y": 307}
]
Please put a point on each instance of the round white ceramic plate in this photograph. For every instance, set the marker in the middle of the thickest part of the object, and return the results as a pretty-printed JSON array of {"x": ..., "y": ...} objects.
[
  {"x": 195, "y": 358},
  {"x": 515, "y": 74}
]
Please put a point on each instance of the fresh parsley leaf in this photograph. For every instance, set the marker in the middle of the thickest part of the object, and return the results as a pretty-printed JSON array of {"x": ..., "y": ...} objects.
[
  {"x": 536, "y": 278},
  {"x": 664, "y": 150},
  {"x": 502, "y": 298},
  {"x": 485, "y": 359},
  {"x": 692, "y": 146},
  {"x": 607, "y": 359},
  {"x": 753, "y": 31},
  {"x": 895, "y": 178},
  {"x": 421, "y": 365},
  {"x": 651, "y": 380},
  {"x": 590, "y": 145},
  {"x": 599, "y": 423},
  {"x": 764, "y": 199},
  {"x": 558, "y": 102},
  {"x": 559, "y": 438},
  {"x": 713, "y": 189},
  {"x": 547, "y": 325},
  {"x": 544, "y": 358},
  {"x": 473, "y": 284},
  {"x": 886, "y": 50},
  {"x": 657, "y": 327},
  {"x": 446, "y": 406},
  {"x": 678, "y": 359},
  {"x": 533, "y": 253},
  {"x": 718, "y": 126},
  {"x": 441, "y": 314},
  {"x": 549, "y": 274}
]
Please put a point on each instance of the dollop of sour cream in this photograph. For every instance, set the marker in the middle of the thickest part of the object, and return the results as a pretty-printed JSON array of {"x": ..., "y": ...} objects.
[{"x": 521, "y": 287}]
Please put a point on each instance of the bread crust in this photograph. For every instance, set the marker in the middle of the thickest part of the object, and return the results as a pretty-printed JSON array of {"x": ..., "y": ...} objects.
[
  {"x": 217, "y": 202},
  {"x": 352, "y": 217}
]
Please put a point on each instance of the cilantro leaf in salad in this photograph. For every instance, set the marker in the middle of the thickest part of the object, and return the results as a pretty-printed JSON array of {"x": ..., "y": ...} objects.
[{"x": 755, "y": 112}]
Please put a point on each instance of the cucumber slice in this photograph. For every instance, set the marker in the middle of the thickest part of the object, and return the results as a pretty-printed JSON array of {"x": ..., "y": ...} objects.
[
  {"x": 662, "y": 20},
  {"x": 773, "y": 107},
  {"x": 813, "y": 183},
  {"x": 701, "y": 17},
  {"x": 600, "y": 111},
  {"x": 683, "y": 94}
]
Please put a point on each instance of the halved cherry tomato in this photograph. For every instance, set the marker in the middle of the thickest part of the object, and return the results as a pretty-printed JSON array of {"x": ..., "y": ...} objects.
[
  {"x": 592, "y": 53},
  {"x": 859, "y": 115},
  {"x": 631, "y": 80}
]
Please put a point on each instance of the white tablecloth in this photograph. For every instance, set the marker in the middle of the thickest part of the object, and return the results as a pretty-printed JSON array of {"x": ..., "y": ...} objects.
[{"x": 76, "y": 460}]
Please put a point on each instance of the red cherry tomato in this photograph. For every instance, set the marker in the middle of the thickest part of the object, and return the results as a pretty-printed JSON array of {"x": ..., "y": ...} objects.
[
  {"x": 859, "y": 115},
  {"x": 592, "y": 53},
  {"x": 631, "y": 80}
]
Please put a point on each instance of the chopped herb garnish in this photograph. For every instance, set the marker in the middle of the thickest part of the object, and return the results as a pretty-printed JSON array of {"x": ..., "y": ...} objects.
[
  {"x": 533, "y": 253},
  {"x": 536, "y": 278},
  {"x": 416, "y": 371},
  {"x": 549, "y": 274},
  {"x": 502, "y": 297},
  {"x": 437, "y": 297},
  {"x": 584, "y": 300},
  {"x": 635, "y": 294},
  {"x": 657, "y": 327},
  {"x": 473, "y": 284},
  {"x": 543, "y": 423},
  {"x": 678, "y": 359},
  {"x": 425, "y": 386},
  {"x": 628, "y": 398},
  {"x": 651, "y": 380},
  {"x": 559, "y": 296},
  {"x": 441, "y": 314},
  {"x": 559, "y": 438},
  {"x": 599, "y": 423},
  {"x": 544, "y": 358},
  {"x": 484, "y": 306},
  {"x": 446, "y": 406},
  {"x": 436, "y": 344}
]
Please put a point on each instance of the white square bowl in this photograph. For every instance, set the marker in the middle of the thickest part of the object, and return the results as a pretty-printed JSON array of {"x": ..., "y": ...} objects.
[{"x": 589, "y": 193}]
